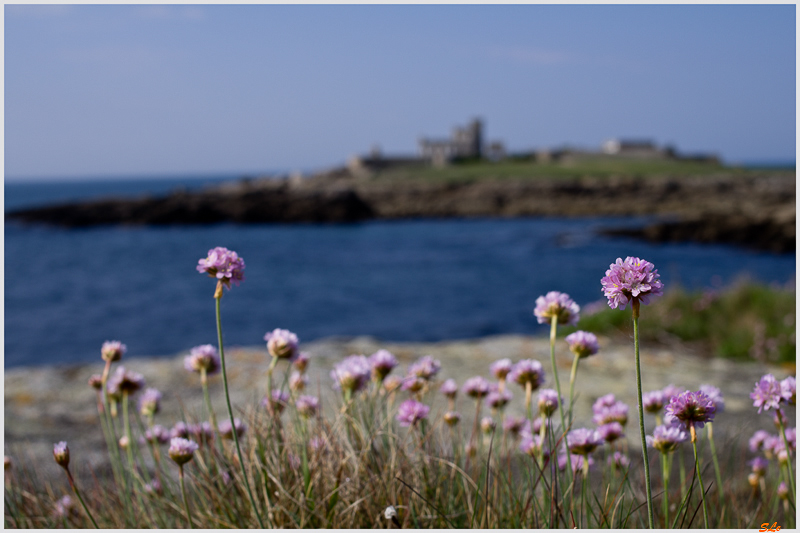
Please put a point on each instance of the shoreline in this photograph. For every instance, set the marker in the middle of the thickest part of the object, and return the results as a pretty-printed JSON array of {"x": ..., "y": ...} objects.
[{"x": 755, "y": 210}]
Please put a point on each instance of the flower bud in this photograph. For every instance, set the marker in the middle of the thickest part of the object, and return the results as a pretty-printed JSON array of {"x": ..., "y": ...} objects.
[
  {"x": 113, "y": 351},
  {"x": 182, "y": 450},
  {"x": 452, "y": 418},
  {"x": 61, "y": 453},
  {"x": 96, "y": 382},
  {"x": 124, "y": 442}
]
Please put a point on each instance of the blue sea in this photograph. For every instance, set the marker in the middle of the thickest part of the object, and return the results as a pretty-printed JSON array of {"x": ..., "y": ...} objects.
[{"x": 67, "y": 291}]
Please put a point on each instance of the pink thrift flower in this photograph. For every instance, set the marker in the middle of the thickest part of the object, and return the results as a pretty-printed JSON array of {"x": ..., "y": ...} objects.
[
  {"x": 202, "y": 357},
  {"x": 527, "y": 371},
  {"x": 61, "y": 453},
  {"x": 501, "y": 368},
  {"x": 548, "y": 402},
  {"x": 352, "y": 373},
  {"x": 767, "y": 393},
  {"x": 583, "y": 441},
  {"x": 449, "y": 388},
  {"x": 426, "y": 367},
  {"x": 181, "y": 450},
  {"x": 307, "y": 406},
  {"x": 666, "y": 439},
  {"x": 789, "y": 390},
  {"x": 224, "y": 265},
  {"x": 281, "y": 343},
  {"x": 582, "y": 344},
  {"x": 113, "y": 351},
  {"x": 690, "y": 409},
  {"x": 556, "y": 304},
  {"x": 476, "y": 387},
  {"x": 382, "y": 363},
  {"x": 629, "y": 280},
  {"x": 411, "y": 411}
]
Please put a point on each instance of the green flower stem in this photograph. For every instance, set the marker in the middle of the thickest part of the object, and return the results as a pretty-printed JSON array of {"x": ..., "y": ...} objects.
[
  {"x": 717, "y": 472},
  {"x": 789, "y": 457},
  {"x": 111, "y": 437},
  {"x": 80, "y": 498},
  {"x": 528, "y": 396},
  {"x": 211, "y": 415},
  {"x": 230, "y": 409},
  {"x": 553, "y": 329},
  {"x": 126, "y": 420},
  {"x": 650, "y": 513},
  {"x": 584, "y": 481},
  {"x": 682, "y": 471},
  {"x": 572, "y": 376},
  {"x": 185, "y": 499},
  {"x": 699, "y": 477},
  {"x": 665, "y": 498},
  {"x": 270, "y": 370}
]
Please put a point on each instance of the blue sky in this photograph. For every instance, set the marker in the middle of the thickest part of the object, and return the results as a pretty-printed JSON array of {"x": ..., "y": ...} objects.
[{"x": 149, "y": 90}]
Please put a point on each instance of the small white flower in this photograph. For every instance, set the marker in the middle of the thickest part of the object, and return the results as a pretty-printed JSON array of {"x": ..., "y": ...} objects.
[{"x": 390, "y": 513}]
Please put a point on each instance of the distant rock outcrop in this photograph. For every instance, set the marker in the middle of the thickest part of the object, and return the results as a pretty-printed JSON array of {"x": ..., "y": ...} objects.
[{"x": 751, "y": 210}]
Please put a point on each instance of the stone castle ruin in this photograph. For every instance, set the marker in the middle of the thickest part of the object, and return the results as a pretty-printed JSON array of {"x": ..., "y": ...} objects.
[{"x": 467, "y": 144}]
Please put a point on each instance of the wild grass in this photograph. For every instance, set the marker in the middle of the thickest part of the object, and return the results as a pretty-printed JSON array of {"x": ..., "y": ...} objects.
[
  {"x": 595, "y": 167},
  {"x": 745, "y": 321},
  {"x": 344, "y": 468}
]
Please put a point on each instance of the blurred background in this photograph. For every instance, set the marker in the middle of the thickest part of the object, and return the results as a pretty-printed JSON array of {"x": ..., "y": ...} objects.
[{"x": 139, "y": 101}]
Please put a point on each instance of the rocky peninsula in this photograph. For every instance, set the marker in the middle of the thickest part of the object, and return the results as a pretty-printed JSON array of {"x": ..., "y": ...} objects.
[{"x": 754, "y": 209}]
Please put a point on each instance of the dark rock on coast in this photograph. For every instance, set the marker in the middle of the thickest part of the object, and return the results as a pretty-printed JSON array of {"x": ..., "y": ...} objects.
[
  {"x": 766, "y": 232},
  {"x": 753, "y": 210}
]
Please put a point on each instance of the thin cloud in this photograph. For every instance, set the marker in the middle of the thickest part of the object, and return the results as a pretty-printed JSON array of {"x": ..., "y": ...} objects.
[
  {"x": 164, "y": 12},
  {"x": 39, "y": 10},
  {"x": 136, "y": 59},
  {"x": 529, "y": 55}
]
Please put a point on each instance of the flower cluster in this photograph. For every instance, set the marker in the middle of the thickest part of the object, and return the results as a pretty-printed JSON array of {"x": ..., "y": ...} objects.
[
  {"x": 382, "y": 363},
  {"x": 608, "y": 409},
  {"x": 282, "y": 343},
  {"x": 583, "y": 441},
  {"x": 411, "y": 411},
  {"x": 113, "y": 351},
  {"x": 181, "y": 450},
  {"x": 352, "y": 373},
  {"x": 223, "y": 264},
  {"x": 476, "y": 387},
  {"x": 769, "y": 393},
  {"x": 527, "y": 371},
  {"x": 203, "y": 357},
  {"x": 666, "y": 439},
  {"x": 556, "y": 304},
  {"x": 150, "y": 402},
  {"x": 226, "y": 430},
  {"x": 307, "y": 406},
  {"x": 690, "y": 410},
  {"x": 582, "y": 343},
  {"x": 426, "y": 367},
  {"x": 548, "y": 402},
  {"x": 125, "y": 381},
  {"x": 631, "y": 280}
]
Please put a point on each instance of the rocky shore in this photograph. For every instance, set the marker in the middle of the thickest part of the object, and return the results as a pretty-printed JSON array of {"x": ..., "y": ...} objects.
[
  {"x": 44, "y": 405},
  {"x": 755, "y": 210}
]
